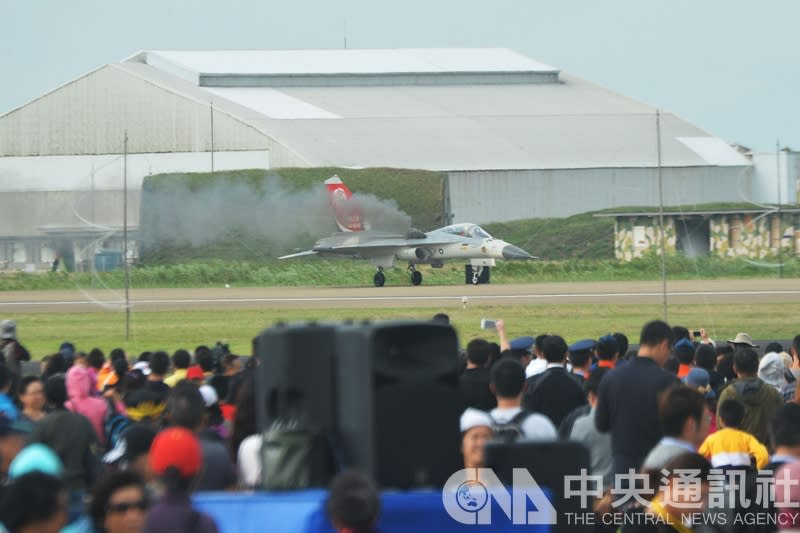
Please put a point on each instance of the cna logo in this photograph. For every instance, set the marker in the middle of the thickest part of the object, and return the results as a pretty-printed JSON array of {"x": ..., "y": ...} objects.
[{"x": 468, "y": 493}]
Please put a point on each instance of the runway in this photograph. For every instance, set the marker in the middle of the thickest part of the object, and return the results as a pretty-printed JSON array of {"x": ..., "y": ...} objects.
[{"x": 623, "y": 292}]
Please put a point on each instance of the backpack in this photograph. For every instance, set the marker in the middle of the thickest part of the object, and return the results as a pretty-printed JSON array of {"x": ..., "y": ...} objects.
[
  {"x": 114, "y": 425},
  {"x": 295, "y": 456},
  {"x": 510, "y": 431}
]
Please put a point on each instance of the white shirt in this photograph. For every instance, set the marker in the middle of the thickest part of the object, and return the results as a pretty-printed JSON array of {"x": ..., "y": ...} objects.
[
  {"x": 537, "y": 366},
  {"x": 248, "y": 461},
  {"x": 535, "y": 426}
]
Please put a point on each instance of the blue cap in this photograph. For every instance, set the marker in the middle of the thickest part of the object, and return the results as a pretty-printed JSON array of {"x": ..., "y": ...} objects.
[
  {"x": 684, "y": 346},
  {"x": 523, "y": 343},
  {"x": 584, "y": 345},
  {"x": 35, "y": 458}
]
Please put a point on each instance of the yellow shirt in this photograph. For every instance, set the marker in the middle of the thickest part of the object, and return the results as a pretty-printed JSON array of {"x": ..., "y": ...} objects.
[
  {"x": 730, "y": 446},
  {"x": 178, "y": 375}
]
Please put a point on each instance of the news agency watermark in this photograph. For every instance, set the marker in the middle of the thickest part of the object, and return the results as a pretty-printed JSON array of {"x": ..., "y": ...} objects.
[{"x": 722, "y": 498}]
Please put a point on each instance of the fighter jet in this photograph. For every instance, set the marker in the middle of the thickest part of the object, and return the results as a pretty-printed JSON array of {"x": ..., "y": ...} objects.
[{"x": 465, "y": 242}]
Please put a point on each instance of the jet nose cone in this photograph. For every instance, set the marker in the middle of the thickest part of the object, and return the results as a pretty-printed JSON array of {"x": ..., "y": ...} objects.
[{"x": 512, "y": 252}]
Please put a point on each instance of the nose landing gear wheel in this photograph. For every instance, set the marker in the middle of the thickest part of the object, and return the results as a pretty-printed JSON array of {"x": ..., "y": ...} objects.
[
  {"x": 416, "y": 277},
  {"x": 379, "y": 279}
]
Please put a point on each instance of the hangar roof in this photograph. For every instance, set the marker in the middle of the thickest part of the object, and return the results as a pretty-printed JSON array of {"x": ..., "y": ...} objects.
[{"x": 436, "y": 109}]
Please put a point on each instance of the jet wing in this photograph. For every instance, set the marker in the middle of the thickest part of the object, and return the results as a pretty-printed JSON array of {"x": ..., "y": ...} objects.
[{"x": 299, "y": 254}]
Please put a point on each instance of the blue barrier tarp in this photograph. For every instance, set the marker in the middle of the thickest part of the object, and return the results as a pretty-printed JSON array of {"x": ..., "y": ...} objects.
[{"x": 304, "y": 512}]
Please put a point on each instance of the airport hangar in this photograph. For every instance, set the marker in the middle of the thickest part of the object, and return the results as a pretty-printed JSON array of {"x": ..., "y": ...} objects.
[{"x": 516, "y": 138}]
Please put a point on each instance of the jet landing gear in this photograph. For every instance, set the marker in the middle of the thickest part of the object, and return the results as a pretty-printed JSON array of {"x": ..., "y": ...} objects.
[
  {"x": 416, "y": 275},
  {"x": 379, "y": 278}
]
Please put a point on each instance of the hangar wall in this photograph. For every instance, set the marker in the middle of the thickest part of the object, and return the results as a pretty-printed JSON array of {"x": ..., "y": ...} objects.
[{"x": 565, "y": 192}]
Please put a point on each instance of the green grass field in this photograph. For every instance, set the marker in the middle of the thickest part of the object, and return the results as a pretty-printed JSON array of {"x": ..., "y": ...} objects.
[{"x": 169, "y": 330}]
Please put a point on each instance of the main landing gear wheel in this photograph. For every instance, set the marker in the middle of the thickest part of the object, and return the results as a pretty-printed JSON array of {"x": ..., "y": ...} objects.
[
  {"x": 379, "y": 279},
  {"x": 416, "y": 276}
]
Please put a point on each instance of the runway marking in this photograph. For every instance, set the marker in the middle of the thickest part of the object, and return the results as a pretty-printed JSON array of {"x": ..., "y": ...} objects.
[{"x": 412, "y": 298}]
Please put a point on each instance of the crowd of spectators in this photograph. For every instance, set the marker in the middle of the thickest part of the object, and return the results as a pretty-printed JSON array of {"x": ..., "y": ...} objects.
[
  {"x": 118, "y": 443},
  {"x": 678, "y": 403}
]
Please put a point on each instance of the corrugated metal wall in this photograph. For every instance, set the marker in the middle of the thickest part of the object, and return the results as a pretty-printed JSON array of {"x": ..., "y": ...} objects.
[
  {"x": 499, "y": 196},
  {"x": 25, "y": 214},
  {"x": 91, "y": 114}
]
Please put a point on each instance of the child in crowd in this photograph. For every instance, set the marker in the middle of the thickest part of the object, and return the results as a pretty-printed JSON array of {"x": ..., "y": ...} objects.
[{"x": 730, "y": 446}]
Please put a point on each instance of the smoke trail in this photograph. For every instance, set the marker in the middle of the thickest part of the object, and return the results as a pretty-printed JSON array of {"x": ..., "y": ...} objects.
[{"x": 182, "y": 215}]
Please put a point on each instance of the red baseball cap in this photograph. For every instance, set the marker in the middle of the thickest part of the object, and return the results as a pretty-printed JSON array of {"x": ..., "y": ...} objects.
[
  {"x": 195, "y": 372},
  {"x": 176, "y": 447}
]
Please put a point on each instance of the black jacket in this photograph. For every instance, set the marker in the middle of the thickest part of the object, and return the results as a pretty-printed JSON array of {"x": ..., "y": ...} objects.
[
  {"x": 627, "y": 406},
  {"x": 554, "y": 393},
  {"x": 474, "y": 385}
]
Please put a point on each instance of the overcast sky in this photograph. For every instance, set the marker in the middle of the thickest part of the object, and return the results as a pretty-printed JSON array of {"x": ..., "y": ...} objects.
[{"x": 729, "y": 66}]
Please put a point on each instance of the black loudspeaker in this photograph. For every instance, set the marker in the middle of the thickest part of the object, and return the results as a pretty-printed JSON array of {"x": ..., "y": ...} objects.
[
  {"x": 548, "y": 462},
  {"x": 294, "y": 375},
  {"x": 398, "y": 402},
  {"x": 476, "y": 275}
]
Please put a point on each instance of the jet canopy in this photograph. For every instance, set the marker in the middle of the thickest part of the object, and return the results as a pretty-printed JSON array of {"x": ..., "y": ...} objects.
[{"x": 472, "y": 231}]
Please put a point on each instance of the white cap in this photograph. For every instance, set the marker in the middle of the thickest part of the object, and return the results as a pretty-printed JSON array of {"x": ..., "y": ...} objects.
[
  {"x": 143, "y": 367},
  {"x": 473, "y": 418},
  {"x": 209, "y": 395}
]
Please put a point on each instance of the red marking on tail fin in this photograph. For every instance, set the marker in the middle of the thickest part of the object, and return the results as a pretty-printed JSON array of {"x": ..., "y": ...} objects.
[{"x": 348, "y": 215}]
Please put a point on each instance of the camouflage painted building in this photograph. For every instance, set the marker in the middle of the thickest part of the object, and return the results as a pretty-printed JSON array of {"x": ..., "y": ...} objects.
[{"x": 756, "y": 234}]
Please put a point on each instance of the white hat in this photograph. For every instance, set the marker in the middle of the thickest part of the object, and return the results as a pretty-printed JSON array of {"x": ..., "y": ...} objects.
[
  {"x": 743, "y": 338},
  {"x": 473, "y": 418},
  {"x": 209, "y": 395},
  {"x": 8, "y": 329},
  {"x": 770, "y": 370},
  {"x": 143, "y": 367}
]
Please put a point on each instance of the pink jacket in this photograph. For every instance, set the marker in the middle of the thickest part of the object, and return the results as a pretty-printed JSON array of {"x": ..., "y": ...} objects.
[{"x": 79, "y": 385}]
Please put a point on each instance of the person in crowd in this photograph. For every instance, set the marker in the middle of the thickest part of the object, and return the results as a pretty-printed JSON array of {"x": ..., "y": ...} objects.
[
  {"x": 353, "y": 504},
  {"x": 508, "y": 385},
  {"x": 13, "y": 353},
  {"x": 181, "y": 360},
  {"x": 761, "y": 401},
  {"x": 474, "y": 382},
  {"x": 684, "y": 351},
  {"x": 31, "y": 398},
  {"x": 676, "y": 504},
  {"x": 705, "y": 357},
  {"x": 176, "y": 459},
  {"x": 698, "y": 379},
  {"x": 159, "y": 366},
  {"x": 731, "y": 446},
  {"x": 67, "y": 349},
  {"x": 554, "y": 392},
  {"x": 627, "y": 401},
  {"x": 71, "y": 436},
  {"x": 794, "y": 352},
  {"x": 772, "y": 372},
  {"x": 132, "y": 452},
  {"x": 119, "y": 503},
  {"x": 784, "y": 432},
  {"x": 584, "y": 430},
  {"x": 80, "y": 401},
  {"x": 684, "y": 424},
  {"x": 539, "y": 362},
  {"x": 580, "y": 357},
  {"x": 787, "y": 494},
  {"x": 742, "y": 341},
  {"x": 13, "y": 434},
  {"x": 95, "y": 361},
  {"x": 607, "y": 351},
  {"x": 186, "y": 408},
  {"x": 110, "y": 374},
  {"x": 245, "y": 440},
  {"x": 476, "y": 430},
  {"x": 204, "y": 358},
  {"x": 673, "y": 365},
  {"x": 725, "y": 369},
  {"x": 35, "y": 502},
  {"x": 215, "y": 425},
  {"x": 7, "y": 406}
]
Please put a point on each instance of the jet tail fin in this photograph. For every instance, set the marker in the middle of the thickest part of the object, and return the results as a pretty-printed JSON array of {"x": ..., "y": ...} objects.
[{"x": 349, "y": 216}]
